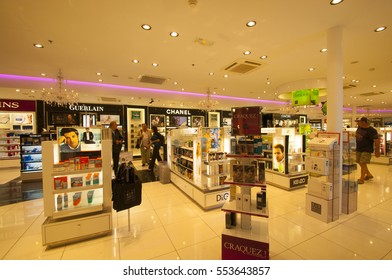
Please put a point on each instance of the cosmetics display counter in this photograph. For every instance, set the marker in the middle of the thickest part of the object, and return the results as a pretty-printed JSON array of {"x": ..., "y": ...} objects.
[
  {"x": 77, "y": 195},
  {"x": 198, "y": 164}
]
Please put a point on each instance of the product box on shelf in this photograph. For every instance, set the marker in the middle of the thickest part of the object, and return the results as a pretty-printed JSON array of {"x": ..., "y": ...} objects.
[
  {"x": 349, "y": 186},
  {"x": 88, "y": 179},
  {"x": 96, "y": 179},
  {"x": 349, "y": 202},
  {"x": 320, "y": 188},
  {"x": 317, "y": 165},
  {"x": 322, "y": 209},
  {"x": 76, "y": 181},
  {"x": 60, "y": 182}
]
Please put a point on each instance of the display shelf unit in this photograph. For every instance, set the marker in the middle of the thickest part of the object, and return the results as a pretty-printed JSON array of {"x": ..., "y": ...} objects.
[
  {"x": 322, "y": 163},
  {"x": 136, "y": 117},
  {"x": 246, "y": 210},
  {"x": 9, "y": 149},
  {"x": 198, "y": 166},
  {"x": 31, "y": 155},
  {"x": 88, "y": 189},
  {"x": 290, "y": 173}
]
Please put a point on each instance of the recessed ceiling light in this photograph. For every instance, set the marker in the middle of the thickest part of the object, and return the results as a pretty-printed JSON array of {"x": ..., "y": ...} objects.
[
  {"x": 311, "y": 69},
  {"x": 146, "y": 27},
  {"x": 135, "y": 61},
  {"x": 335, "y": 2},
  {"x": 226, "y": 76},
  {"x": 37, "y": 45},
  {"x": 263, "y": 57},
  {"x": 247, "y": 52},
  {"x": 18, "y": 90},
  {"x": 155, "y": 64},
  {"x": 379, "y": 29},
  {"x": 99, "y": 80},
  {"x": 323, "y": 50},
  {"x": 211, "y": 73},
  {"x": 174, "y": 34},
  {"x": 175, "y": 83},
  {"x": 99, "y": 74},
  {"x": 251, "y": 23},
  {"x": 374, "y": 86},
  {"x": 43, "y": 74}
]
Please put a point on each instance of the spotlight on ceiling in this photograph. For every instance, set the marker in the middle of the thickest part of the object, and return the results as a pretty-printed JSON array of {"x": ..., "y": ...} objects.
[{"x": 152, "y": 101}]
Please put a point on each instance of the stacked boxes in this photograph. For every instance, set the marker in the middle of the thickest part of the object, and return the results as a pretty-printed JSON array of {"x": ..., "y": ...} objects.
[{"x": 349, "y": 196}]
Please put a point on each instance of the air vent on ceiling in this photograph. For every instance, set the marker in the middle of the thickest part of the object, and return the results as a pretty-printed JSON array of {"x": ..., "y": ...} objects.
[
  {"x": 371, "y": 93},
  {"x": 349, "y": 86},
  {"x": 152, "y": 80},
  {"x": 242, "y": 66},
  {"x": 110, "y": 99}
]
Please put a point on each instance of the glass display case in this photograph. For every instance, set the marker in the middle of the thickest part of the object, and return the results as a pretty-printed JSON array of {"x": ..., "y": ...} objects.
[{"x": 31, "y": 155}]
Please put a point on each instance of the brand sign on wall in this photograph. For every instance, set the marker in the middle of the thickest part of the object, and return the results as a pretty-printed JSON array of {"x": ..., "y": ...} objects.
[{"x": 17, "y": 105}]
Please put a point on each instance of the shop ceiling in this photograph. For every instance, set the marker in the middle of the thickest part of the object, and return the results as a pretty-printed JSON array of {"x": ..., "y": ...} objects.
[{"x": 83, "y": 38}]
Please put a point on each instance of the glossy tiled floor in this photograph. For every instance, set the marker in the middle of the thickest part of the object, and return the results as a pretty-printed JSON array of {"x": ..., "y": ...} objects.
[{"x": 170, "y": 226}]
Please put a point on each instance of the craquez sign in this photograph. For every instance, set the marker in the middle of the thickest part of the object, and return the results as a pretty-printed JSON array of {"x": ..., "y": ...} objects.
[
  {"x": 247, "y": 250},
  {"x": 246, "y": 121}
]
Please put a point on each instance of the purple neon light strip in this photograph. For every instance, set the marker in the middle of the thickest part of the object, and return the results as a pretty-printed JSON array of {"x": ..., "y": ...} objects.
[{"x": 42, "y": 79}]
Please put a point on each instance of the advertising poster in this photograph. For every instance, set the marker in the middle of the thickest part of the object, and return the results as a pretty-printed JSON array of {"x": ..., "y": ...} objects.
[{"x": 246, "y": 121}]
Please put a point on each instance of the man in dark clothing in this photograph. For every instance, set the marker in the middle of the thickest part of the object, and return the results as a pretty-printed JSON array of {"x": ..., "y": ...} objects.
[
  {"x": 156, "y": 143},
  {"x": 367, "y": 142},
  {"x": 117, "y": 140}
]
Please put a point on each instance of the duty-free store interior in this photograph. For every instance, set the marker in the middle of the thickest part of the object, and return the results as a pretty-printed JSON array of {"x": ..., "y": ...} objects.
[{"x": 259, "y": 124}]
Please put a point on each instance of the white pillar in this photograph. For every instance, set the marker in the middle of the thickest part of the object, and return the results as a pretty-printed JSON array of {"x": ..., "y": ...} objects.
[
  {"x": 335, "y": 94},
  {"x": 334, "y": 79}
]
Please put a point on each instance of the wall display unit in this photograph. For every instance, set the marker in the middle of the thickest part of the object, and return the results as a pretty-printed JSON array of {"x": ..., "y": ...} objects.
[
  {"x": 196, "y": 157},
  {"x": 31, "y": 155},
  {"x": 349, "y": 181},
  {"x": 285, "y": 155},
  {"x": 136, "y": 117},
  {"x": 213, "y": 119},
  {"x": 322, "y": 162},
  {"x": 246, "y": 209},
  {"x": 77, "y": 195},
  {"x": 9, "y": 149}
]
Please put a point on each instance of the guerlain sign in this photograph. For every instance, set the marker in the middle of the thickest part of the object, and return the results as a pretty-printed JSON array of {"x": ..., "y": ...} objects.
[{"x": 86, "y": 108}]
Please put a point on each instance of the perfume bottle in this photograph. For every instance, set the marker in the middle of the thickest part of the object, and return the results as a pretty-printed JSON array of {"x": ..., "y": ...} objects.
[
  {"x": 59, "y": 202},
  {"x": 65, "y": 200}
]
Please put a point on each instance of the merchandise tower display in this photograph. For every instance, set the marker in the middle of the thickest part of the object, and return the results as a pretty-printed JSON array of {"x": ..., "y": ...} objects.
[
  {"x": 246, "y": 210},
  {"x": 77, "y": 195},
  {"x": 322, "y": 163}
]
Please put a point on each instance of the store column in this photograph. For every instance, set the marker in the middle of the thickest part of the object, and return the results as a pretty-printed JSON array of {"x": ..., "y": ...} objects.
[{"x": 335, "y": 90}]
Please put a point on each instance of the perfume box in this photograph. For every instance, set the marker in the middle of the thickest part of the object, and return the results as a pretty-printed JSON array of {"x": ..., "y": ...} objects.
[
  {"x": 238, "y": 198},
  {"x": 60, "y": 183},
  {"x": 246, "y": 202},
  {"x": 76, "y": 182}
]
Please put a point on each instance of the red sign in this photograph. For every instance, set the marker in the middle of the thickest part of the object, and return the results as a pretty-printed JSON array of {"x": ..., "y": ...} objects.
[
  {"x": 17, "y": 105},
  {"x": 236, "y": 248},
  {"x": 246, "y": 121}
]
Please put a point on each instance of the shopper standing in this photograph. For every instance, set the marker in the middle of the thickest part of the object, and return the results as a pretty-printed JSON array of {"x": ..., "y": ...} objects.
[
  {"x": 156, "y": 143},
  {"x": 367, "y": 142},
  {"x": 117, "y": 140},
  {"x": 144, "y": 137}
]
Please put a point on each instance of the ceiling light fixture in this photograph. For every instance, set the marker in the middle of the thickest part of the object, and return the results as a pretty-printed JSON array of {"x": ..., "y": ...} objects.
[
  {"x": 155, "y": 64},
  {"x": 146, "y": 27},
  {"x": 39, "y": 46},
  {"x": 208, "y": 104},
  {"x": 263, "y": 57},
  {"x": 335, "y": 2},
  {"x": 59, "y": 96},
  {"x": 247, "y": 52},
  {"x": 135, "y": 61},
  {"x": 174, "y": 34},
  {"x": 251, "y": 23},
  {"x": 379, "y": 29},
  {"x": 151, "y": 101},
  {"x": 323, "y": 50}
]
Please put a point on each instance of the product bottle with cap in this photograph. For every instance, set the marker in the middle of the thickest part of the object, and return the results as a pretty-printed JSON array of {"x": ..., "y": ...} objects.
[
  {"x": 65, "y": 200},
  {"x": 59, "y": 202}
]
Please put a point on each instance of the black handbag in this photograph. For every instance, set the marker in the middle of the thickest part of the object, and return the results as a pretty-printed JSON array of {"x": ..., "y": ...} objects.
[{"x": 126, "y": 188}]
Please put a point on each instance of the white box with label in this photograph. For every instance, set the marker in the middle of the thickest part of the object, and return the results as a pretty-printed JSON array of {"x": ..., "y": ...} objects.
[
  {"x": 317, "y": 165},
  {"x": 318, "y": 187},
  {"x": 322, "y": 209}
]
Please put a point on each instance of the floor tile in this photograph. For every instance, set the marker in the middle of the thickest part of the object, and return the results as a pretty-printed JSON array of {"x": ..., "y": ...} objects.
[{"x": 207, "y": 250}]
